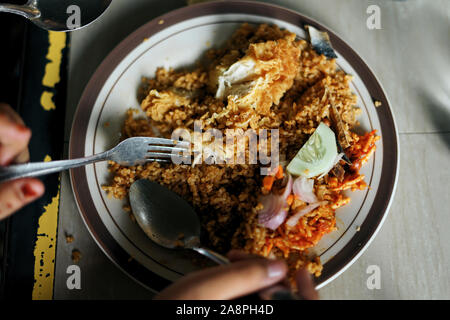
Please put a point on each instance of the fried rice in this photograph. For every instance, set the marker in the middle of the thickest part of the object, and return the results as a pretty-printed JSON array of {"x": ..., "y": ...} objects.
[{"x": 225, "y": 196}]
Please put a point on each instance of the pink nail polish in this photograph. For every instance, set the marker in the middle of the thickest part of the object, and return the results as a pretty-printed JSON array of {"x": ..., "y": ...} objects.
[{"x": 28, "y": 191}]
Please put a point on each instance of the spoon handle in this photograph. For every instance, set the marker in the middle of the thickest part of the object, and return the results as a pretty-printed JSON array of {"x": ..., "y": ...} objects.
[
  {"x": 214, "y": 256},
  {"x": 24, "y": 11}
]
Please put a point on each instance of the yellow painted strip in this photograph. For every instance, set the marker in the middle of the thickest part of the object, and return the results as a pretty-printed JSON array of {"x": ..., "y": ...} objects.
[
  {"x": 57, "y": 42},
  {"x": 47, "y": 101},
  {"x": 45, "y": 250}
]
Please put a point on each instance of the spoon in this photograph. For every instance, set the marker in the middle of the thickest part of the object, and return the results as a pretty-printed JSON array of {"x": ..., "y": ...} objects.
[
  {"x": 168, "y": 219},
  {"x": 171, "y": 222},
  {"x": 59, "y": 15}
]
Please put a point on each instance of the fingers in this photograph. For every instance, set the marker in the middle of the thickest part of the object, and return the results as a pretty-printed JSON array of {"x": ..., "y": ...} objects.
[
  {"x": 16, "y": 194},
  {"x": 227, "y": 282},
  {"x": 304, "y": 281},
  {"x": 305, "y": 285},
  {"x": 22, "y": 157},
  {"x": 14, "y": 137}
]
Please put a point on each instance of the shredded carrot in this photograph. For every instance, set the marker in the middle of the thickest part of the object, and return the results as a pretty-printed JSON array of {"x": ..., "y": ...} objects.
[
  {"x": 309, "y": 230},
  {"x": 268, "y": 182},
  {"x": 279, "y": 174},
  {"x": 268, "y": 248},
  {"x": 290, "y": 199}
]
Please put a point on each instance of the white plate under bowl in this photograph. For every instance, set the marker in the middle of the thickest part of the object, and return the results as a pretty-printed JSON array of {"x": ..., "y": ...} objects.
[{"x": 177, "y": 40}]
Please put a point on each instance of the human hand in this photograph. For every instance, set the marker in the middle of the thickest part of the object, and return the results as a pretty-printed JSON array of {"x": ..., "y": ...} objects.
[
  {"x": 14, "y": 138},
  {"x": 245, "y": 275}
]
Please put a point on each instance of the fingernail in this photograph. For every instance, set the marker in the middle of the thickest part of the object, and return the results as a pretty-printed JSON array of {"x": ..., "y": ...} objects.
[
  {"x": 20, "y": 127},
  {"x": 276, "y": 269},
  {"x": 24, "y": 131},
  {"x": 31, "y": 190}
]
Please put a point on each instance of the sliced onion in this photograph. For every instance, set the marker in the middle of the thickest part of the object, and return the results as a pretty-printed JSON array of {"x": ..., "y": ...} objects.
[
  {"x": 272, "y": 204},
  {"x": 276, "y": 220},
  {"x": 288, "y": 188},
  {"x": 274, "y": 211},
  {"x": 335, "y": 162},
  {"x": 304, "y": 189},
  {"x": 292, "y": 221}
]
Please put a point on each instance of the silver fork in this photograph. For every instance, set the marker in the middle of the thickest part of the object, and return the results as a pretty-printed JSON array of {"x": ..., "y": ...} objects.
[{"x": 130, "y": 152}]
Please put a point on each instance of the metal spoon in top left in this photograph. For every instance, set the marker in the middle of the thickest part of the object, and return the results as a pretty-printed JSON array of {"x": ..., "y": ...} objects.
[{"x": 59, "y": 15}]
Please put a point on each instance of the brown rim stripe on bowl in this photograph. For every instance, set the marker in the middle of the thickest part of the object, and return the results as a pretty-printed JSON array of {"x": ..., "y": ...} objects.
[{"x": 79, "y": 129}]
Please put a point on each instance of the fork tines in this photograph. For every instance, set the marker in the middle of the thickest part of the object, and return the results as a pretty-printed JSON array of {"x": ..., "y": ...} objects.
[
  {"x": 167, "y": 142},
  {"x": 162, "y": 150}
]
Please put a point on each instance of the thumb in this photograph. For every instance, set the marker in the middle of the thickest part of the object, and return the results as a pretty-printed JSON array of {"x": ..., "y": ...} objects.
[{"x": 228, "y": 281}]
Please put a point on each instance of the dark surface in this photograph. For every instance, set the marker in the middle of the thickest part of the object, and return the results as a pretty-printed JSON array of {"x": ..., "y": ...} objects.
[
  {"x": 12, "y": 32},
  {"x": 23, "y": 51}
]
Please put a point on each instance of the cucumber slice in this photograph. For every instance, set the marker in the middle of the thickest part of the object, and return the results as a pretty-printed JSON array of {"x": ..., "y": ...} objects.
[{"x": 317, "y": 154}]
